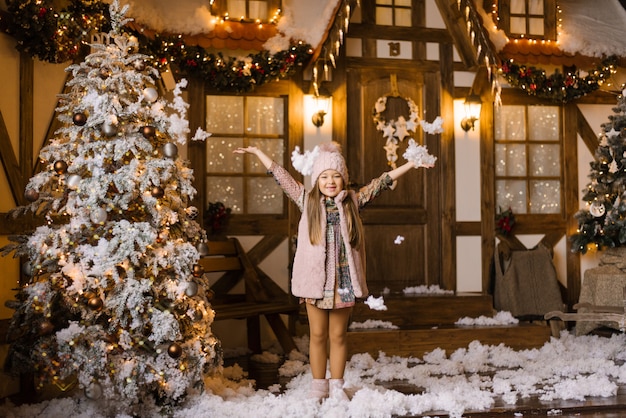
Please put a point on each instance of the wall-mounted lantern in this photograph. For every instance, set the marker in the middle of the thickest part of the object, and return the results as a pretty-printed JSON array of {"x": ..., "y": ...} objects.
[{"x": 473, "y": 104}]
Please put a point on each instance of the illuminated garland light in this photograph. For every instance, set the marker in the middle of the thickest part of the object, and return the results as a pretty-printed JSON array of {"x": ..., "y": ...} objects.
[
  {"x": 58, "y": 37},
  {"x": 558, "y": 87}
]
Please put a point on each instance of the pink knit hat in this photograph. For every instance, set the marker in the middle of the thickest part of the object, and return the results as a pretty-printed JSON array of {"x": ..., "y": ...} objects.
[{"x": 329, "y": 158}]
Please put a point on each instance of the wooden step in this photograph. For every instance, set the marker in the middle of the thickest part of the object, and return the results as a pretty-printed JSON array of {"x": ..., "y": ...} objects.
[
  {"x": 409, "y": 310},
  {"x": 419, "y": 341}
]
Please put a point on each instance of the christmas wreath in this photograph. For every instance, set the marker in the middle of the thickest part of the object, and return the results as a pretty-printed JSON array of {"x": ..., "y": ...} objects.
[{"x": 394, "y": 129}]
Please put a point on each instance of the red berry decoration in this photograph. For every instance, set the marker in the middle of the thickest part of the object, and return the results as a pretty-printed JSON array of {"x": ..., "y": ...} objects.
[
  {"x": 175, "y": 350},
  {"x": 80, "y": 119},
  {"x": 148, "y": 131},
  {"x": 60, "y": 167}
]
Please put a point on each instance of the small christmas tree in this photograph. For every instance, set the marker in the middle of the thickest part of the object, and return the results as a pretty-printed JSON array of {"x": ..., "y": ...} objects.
[
  {"x": 603, "y": 222},
  {"x": 114, "y": 294}
]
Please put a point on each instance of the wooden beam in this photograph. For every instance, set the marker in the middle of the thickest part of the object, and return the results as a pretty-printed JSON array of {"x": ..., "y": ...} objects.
[
  {"x": 571, "y": 114},
  {"x": 373, "y": 31},
  {"x": 441, "y": 181},
  {"x": 26, "y": 115},
  {"x": 457, "y": 28},
  {"x": 589, "y": 137},
  {"x": 10, "y": 164}
]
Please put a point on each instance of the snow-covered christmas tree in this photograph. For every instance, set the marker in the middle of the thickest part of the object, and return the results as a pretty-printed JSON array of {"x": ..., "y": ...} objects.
[
  {"x": 115, "y": 295},
  {"x": 602, "y": 223}
]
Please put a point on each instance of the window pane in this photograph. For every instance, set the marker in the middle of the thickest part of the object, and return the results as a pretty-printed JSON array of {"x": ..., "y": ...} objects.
[
  {"x": 236, "y": 8},
  {"x": 220, "y": 157},
  {"x": 518, "y": 25},
  {"x": 510, "y": 160},
  {"x": 258, "y": 10},
  {"x": 545, "y": 196},
  {"x": 265, "y": 115},
  {"x": 274, "y": 148},
  {"x": 535, "y": 26},
  {"x": 224, "y": 114},
  {"x": 511, "y": 193},
  {"x": 535, "y": 7},
  {"x": 228, "y": 190},
  {"x": 264, "y": 195},
  {"x": 403, "y": 17},
  {"x": 383, "y": 16},
  {"x": 545, "y": 160},
  {"x": 383, "y": 2},
  {"x": 518, "y": 7},
  {"x": 405, "y": 3},
  {"x": 510, "y": 123},
  {"x": 545, "y": 126}
]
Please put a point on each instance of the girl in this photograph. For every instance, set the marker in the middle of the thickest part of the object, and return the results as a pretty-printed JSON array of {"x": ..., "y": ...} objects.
[{"x": 329, "y": 265}]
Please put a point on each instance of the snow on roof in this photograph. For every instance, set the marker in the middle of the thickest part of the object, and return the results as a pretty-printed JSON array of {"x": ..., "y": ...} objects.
[
  {"x": 593, "y": 28},
  {"x": 301, "y": 20}
]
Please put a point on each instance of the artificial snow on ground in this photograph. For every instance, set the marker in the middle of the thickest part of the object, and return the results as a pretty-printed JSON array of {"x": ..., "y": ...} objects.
[{"x": 470, "y": 379}]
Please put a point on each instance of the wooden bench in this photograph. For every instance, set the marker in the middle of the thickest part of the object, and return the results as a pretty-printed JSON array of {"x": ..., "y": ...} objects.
[{"x": 261, "y": 297}]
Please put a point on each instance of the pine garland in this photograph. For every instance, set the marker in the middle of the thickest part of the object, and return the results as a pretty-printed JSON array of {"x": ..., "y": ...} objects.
[
  {"x": 558, "y": 87},
  {"x": 58, "y": 36}
]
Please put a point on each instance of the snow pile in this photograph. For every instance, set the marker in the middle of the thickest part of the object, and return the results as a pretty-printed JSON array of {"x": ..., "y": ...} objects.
[
  {"x": 377, "y": 304},
  {"x": 371, "y": 324},
  {"x": 469, "y": 379},
  {"x": 433, "y": 289},
  {"x": 501, "y": 318}
]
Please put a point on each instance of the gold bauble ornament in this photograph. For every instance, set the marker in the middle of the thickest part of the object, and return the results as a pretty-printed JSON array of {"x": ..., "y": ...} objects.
[
  {"x": 175, "y": 350},
  {"x": 60, "y": 167},
  {"x": 95, "y": 303},
  {"x": 45, "y": 327},
  {"x": 79, "y": 119},
  {"x": 148, "y": 131},
  {"x": 197, "y": 270},
  {"x": 158, "y": 192}
]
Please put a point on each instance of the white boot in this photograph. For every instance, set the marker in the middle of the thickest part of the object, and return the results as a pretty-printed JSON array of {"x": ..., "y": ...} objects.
[
  {"x": 336, "y": 390},
  {"x": 319, "y": 389}
]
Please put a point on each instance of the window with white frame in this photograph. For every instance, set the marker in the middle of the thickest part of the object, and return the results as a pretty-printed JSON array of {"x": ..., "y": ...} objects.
[
  {"x": 240, "y": 181},
  {"x": 528, "y": 166},
  {"x": 393, "y": 12},
  {"x": 535, "y": 19}
]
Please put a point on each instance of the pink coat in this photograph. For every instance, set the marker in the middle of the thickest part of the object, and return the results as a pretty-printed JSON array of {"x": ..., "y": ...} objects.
[{"x": 309, "y": 266}]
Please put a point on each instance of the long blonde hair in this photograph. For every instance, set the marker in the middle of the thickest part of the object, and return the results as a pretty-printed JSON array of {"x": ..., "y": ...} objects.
[{"x": 314, "y": 213}]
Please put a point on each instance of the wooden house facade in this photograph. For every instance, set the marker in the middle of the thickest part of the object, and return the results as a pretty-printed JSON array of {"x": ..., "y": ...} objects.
[{"x": 524, "y": 151}]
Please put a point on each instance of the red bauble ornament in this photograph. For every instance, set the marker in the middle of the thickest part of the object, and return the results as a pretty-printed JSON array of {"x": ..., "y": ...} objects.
[
  {"x": 60, "y": 167},
  {"x": 175, "y": 350},
  {"x": 80, "y": 119}
]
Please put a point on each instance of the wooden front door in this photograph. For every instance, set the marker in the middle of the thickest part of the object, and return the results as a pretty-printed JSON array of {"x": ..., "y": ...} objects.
[{"x": 401, "y": 226}]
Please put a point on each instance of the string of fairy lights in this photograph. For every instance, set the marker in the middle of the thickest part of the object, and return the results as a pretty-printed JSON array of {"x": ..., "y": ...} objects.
[{"x": 58, "y": 36}]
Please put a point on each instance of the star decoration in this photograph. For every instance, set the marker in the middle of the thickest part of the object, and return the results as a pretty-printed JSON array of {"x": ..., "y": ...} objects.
[
  {"x": 388, "y": 131},
  {"x": 401, "y": 131},
  {"x": 612, "y": 133}
]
